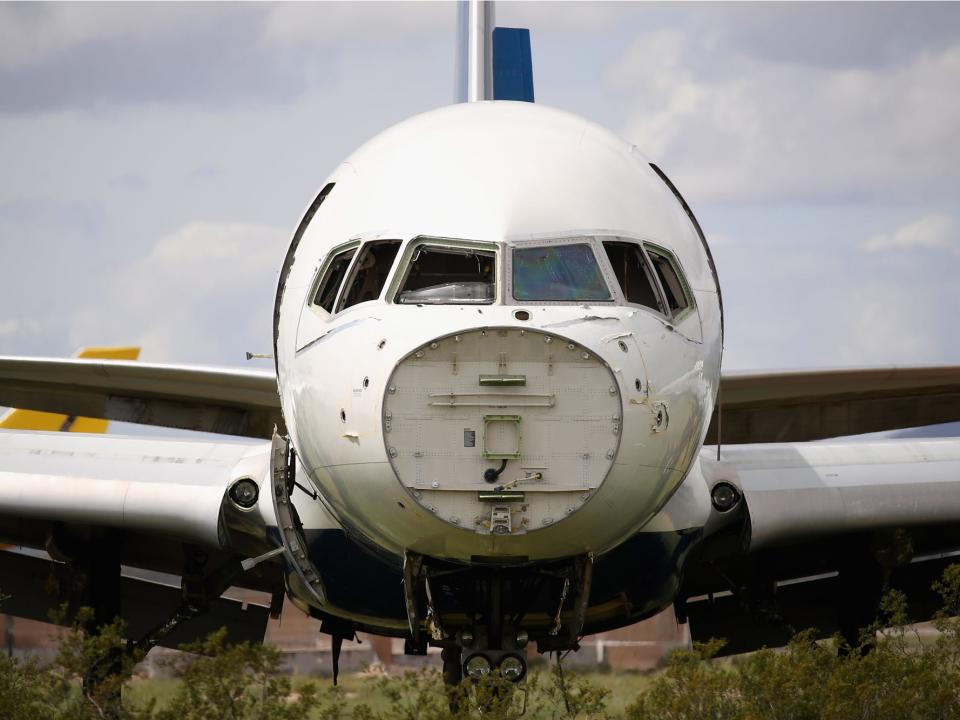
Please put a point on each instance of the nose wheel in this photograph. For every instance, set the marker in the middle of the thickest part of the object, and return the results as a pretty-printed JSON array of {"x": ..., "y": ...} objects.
[{"x": 511, "y": 664}]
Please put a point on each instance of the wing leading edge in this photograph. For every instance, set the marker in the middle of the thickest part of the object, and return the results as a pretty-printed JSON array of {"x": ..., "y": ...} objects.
[
  {"x": 227, "y": 401},
  {"x": 795, "y": 406}
]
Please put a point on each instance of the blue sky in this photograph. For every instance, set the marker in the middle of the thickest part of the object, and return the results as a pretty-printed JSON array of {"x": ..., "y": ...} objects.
[{"x": 156, "y": 158}]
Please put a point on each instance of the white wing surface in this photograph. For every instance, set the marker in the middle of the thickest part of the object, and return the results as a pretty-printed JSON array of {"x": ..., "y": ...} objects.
[
  {"x": 819, "y": 532},
  {"x": 228, "y": 401},
  {"x": 794, "y": 406},
  {"x": 174, "y": 488},
  {"x": 807, "y": 490}
]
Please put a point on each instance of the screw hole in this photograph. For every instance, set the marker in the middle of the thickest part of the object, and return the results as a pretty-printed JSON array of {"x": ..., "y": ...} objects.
[
  {"x": 636, "y": 384},
  {"x": 343, "y": 415},
  {"x": 402, "y": 506},
  {"x": 366, "y": 382},
  {"x": 381, "y": 344},
  {"x": 623, "y": 345}
]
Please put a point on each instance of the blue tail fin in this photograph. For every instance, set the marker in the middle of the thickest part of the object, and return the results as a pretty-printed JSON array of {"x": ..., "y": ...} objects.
[{"x": 512, "y": 64}]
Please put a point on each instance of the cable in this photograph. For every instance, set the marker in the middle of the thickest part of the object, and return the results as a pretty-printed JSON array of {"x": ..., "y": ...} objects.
[{"x": 491, "y": 475}]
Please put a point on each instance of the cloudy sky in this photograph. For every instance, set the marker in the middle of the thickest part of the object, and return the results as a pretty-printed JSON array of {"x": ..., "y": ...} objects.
[{"x": 155, "y": 159}]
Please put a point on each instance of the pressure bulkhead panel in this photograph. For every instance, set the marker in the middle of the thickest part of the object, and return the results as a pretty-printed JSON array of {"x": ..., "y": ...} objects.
[{"x": 502, "y": 430}]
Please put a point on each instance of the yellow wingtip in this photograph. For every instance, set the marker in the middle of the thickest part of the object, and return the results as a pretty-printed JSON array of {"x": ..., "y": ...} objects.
[{"x": 130, "y": 352}]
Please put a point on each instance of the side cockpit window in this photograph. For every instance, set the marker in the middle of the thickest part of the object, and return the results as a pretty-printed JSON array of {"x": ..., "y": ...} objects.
[
  {"x": 558, "y": 273},
  {"x": 370, "y": 272},
  {"x": 441, "y": 275},
  {"x": 329, "y": 285},
  {"x": 633, "y": 273},
  {"x": 673, "y": 287}
]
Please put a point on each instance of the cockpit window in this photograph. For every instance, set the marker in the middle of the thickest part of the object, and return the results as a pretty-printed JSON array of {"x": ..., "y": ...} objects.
[
  {"x": 332, "y": 279},
  {"x": 673, "y": 287},
  {"x": 440, "y": 275},
  {"x": 633, "y": 274},
  {"x": 566, "y": 272},
  {"x": 370, "y": 272}
]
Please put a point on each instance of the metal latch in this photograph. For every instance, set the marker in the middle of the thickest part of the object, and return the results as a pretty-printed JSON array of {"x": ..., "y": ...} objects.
[
  {"x": 503, "y": 380},
  {"x": 500, "y": 496}
]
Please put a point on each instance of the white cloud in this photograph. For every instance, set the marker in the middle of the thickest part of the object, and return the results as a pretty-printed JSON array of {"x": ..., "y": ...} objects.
[
  {"x": 935, "y": 232},
  {"x": 732, "y": 127},
  {"x": 219, "y": 252},
  {"x": 342, "y": 23},
  {"x": 14, "y": 327},
  {"x": 577, "y": 18},
  {"x": 201, "y": 293},
  {"x": 33, "y": 33}
]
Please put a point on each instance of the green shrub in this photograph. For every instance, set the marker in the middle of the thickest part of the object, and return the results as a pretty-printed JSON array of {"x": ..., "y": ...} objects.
[
  {"x": 900, "y": 677},
  {"x": 904, "y": 676}
]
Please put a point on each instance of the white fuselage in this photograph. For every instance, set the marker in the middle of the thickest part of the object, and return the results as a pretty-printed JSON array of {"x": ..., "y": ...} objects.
[{"x": 596, "y": 409}]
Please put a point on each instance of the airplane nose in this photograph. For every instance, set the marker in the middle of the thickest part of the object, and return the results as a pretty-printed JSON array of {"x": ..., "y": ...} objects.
[{"x": 502, "y": 430}]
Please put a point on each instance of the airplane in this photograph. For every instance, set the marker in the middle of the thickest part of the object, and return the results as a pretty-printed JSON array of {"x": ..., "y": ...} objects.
[{"x": 496, "y": 419}]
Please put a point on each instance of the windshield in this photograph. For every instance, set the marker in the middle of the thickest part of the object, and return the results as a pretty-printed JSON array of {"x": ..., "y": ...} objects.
[
  {"x": 444, "y": 275},
  {"x": 558, "y": 273}
]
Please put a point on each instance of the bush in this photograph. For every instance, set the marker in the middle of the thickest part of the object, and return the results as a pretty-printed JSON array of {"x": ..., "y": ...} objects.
[
  {"x": 235, "y": 682},
  {"x": 901, "y": 677},
  {"x": 422, "y": 696},
  {"x": 55, "y": 691}
]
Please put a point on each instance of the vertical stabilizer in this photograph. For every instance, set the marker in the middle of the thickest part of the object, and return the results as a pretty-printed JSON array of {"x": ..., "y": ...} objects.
[{"x": 493, "y": 63}]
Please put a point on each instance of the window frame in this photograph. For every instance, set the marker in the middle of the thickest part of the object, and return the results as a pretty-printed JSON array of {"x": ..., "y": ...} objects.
[
  {"x": 320, "y": 277},
  {"x": 401, "y": 269},
  {"x": 663, "y": 307},
  {"x": 671, "y": 258},
  {"x": 352, "y": 272},
  {"x": 613, "y": 285}
]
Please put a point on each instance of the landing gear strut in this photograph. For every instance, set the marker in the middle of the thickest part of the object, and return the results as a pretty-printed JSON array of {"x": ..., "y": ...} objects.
[
  {"x": 495, "y": 601},
  {"x": 97, "y": 573}
]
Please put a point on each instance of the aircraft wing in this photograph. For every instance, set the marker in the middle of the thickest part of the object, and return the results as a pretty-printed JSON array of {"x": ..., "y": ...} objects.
[
  {"x": 218, "y": 400},
  {"x": 170, "y": 487},
  {"x": 160, "y": 505},
  {"x": 781, "y": 406},
  {"x": 794, "y": 406},
  {"x": 820, "y": 530}
]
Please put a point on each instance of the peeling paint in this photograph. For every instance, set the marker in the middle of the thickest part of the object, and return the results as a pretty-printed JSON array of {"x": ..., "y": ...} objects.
[{"x": 577, "y": 321}]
